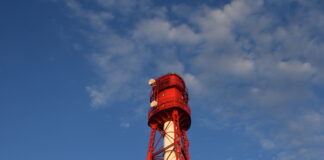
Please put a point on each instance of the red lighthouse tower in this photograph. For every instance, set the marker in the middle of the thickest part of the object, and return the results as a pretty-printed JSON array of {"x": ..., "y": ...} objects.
[{"x": 169, "y": 119}]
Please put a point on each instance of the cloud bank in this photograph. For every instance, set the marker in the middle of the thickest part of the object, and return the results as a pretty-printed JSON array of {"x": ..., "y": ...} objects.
[{"x": 256, "y": 63}]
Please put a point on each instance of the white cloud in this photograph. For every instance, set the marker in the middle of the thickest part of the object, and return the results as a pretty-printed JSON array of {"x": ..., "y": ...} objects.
[
  {"x": 267, "y": 144},
  {"x": 95, "y": 19},
  {"x": 162, "y": 31},
  {"x": 97, "y": 97},
  {"x": 296, "y": 67},
  {"x": 192, "y": 83},
  {"x": 169, "y": 66},
  {"x": 125, "y": 124},
  {"x": 237, "y": 66}
]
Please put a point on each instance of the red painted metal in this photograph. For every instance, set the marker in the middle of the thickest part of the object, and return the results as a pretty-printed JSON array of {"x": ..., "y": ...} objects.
[{"x": 172, "y": 105}]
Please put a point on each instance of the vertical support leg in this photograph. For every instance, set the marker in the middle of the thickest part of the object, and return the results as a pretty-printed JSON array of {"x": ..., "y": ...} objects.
[
  {"x": 186, "y": 145},
  {"x": 151, "y": 143}
]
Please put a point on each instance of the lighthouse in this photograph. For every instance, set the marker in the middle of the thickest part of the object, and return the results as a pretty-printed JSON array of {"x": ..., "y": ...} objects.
[{"x": 169, "y": 118}]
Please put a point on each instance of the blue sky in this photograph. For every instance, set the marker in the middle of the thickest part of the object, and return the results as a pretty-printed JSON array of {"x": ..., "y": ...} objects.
[{"x": 73, "y": 77}]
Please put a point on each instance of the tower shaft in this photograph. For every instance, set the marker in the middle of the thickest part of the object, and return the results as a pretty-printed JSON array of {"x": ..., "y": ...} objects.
[{"x": 168, "y": 128}]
